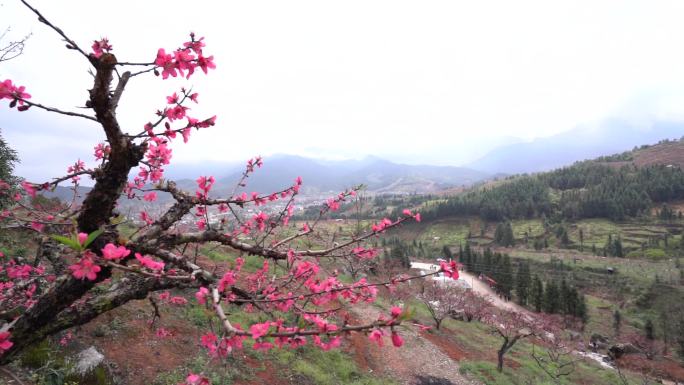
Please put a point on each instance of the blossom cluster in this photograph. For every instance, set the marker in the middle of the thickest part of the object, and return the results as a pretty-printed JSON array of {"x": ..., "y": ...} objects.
[
  {"x": 14, "y": 93},
  {"x": 185, "y": 59}
]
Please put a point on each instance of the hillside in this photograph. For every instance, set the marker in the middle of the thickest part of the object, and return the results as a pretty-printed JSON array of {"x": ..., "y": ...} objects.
[
  {"x": 665, "y": 153},
  {"x": 619, "y": 186}
]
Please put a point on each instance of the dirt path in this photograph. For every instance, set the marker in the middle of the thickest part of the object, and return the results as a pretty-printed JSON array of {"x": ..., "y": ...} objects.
[
  {"x": 417, "y": 362},
  {"x": 484, "y": 290}
]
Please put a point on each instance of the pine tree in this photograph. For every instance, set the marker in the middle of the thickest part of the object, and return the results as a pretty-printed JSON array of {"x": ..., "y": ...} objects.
[
  {"x": 509, "y": 238},
  {"x": 617, "y": 248},
  {"x": 564, "y": 298},
  {"x": 468, "y": 257},
  {"x": 8, "y": 157},
  {"x": 503, "y": 235},
  {"x": 649, "y": 329},
  {"x": 523, "y": 282},
  {"x": 679, "y": 336},
  {"x": 498, "y": 233},
  {"x": 537, "y": 293},
  {"x": 582, "y": 312},
  {"x": 447, "y": 253},
  {"x": 551, "y": 300},
  {"x": 487, "y": 267},
  {"x": 617, "y": 322},
  {"x": 608, "y": 248},
  {"x": 506, "y": 278}
]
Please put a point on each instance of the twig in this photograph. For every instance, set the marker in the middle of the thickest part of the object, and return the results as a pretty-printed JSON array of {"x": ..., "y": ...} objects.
[
  {"x": 14, "y": 377},
  {"x": 52, "y": 109},
  {"x": 45, "y": 21}
]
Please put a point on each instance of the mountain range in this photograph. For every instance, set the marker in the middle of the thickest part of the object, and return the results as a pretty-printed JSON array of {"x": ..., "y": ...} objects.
[
  {"x": 378, "y": 175},
  {"x": 384, "y": 176},
  {"x": 583, "y": 142}
]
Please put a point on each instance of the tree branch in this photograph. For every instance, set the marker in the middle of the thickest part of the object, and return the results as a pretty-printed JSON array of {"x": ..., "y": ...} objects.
[
  {"x": 52, "y": 109},
  {"x": 45, "y": 21}
]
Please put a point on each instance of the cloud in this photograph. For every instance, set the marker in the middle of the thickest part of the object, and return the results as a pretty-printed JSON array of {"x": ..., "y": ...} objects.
[{"x": 433, "y": 82}]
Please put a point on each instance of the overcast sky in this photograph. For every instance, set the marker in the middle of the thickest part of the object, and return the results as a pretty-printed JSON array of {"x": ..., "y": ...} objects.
[{"x": 437, "y": 82}]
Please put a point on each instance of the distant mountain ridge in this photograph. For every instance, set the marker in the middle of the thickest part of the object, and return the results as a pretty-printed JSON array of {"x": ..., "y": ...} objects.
[
  {"x": 319, "y": 176},
  {"x": 376, "y": 174},
  {"x": 583, "y": 142}
]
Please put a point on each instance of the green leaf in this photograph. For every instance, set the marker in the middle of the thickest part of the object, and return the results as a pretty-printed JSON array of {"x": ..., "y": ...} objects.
[
  {"x": 92, "y": 236},
  {"x": 407, "y": 314},
  {"x": 117, "y": 220},
  {"x": 67, "y": 241}
]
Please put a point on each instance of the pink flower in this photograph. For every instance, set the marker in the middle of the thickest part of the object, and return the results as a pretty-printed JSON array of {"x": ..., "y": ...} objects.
[
  {"x": 149, "y": 263},
  {"x": 201, "y": 225},
  {"x": 29, "y": 188},
  {"x": 82, "y": 238},
  {"x": 364, "y": 253},
  {"x": 195, "y": 379},
  {"x": 397, "y": 340},
  {"x": 186, "y": 134},
  {"x": 332, "y": 343},
  {"x": 173, "y": 99},
  {"x": 333, "y": 204},
  {"x": 262, "y": 346},
  {"x": 259, "y": 330},
  {"x": 150, "y": 196},
  {"x": 101, "y": 150},
  {"x": 163, "y": 333},
  {"x": 165, "y": 61},
  {"x": 175, "y": 113},
  {"x": 376, "y": 336},
  {"x": 37, "y": 226},
  {"x": 202, "y": 294},
  {"x": 396, "y": 311},
  {"x": 205, "y": 63},
  {"x": 85, "y": 268},
  {"x": 209, "y": 341},
  {"x": 65, "y": 340},
  {"x": 10, "y": 91},
  {"x": 178, "y": 301},
  {"x": 5, "y": 343},
  {"x": 101, "y": 46},
  {"x": 146, "y": 218},
  {"x": 195, "y": 45},
  {"x": 450, "y": 269},
  {"x": 111, "y": 252}
]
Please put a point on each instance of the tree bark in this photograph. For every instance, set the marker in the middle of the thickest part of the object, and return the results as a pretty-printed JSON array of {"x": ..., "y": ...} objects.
[
  {"x": 500, "y": 355},
  {"x": 96, "y": 211}
]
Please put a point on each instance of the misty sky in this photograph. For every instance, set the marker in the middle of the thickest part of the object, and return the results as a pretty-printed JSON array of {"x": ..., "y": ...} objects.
[{"x": 437, "y": 82}]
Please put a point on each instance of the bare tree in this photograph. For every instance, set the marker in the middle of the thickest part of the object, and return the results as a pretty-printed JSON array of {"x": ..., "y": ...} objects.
[
  {"x": 511, "y": 327},
  {"x": 12, "y": 48},
  {"x": 474, "y": 307},
  {"x": 441, "y": 300},
  {"x": 556, "y": 357}
]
